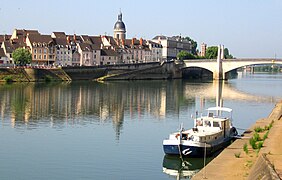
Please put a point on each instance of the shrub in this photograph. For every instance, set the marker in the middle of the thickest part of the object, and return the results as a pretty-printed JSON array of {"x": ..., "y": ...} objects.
[
  {"x": 259, "y": 129},
  {"x": 8, "y": 78},
  {"x": 260, "y": 143},
  {"x": 265, "y": 135},
  {"x": 237, "y": 155},
  {"x": 256, "y": 137},
  {"x": 48, "y": 78},
  {"x": 253, "y": 143},
  {"x": 245, "y": 147}
]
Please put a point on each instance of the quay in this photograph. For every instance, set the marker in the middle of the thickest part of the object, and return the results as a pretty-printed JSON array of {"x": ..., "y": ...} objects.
[{"x": 266, "y": 164}]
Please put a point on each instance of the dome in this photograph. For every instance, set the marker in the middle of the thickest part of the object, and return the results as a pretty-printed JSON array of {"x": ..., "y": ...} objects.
[{"x": 119, "y": 25}]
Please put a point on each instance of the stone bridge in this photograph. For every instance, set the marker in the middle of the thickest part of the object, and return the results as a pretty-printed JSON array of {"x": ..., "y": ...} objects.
[{"x": 219, "y": 67}]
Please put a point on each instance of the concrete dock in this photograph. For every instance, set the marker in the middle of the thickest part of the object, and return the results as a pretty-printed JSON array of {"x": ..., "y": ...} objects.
[{"x": 265, "y": 164}]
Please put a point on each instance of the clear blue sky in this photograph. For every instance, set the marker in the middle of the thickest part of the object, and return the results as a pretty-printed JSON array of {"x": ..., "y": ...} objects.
[{"x": 248, "y": 28}]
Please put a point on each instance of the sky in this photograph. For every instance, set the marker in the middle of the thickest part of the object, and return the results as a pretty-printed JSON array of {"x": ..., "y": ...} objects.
[{"x": 248, "y": 28}]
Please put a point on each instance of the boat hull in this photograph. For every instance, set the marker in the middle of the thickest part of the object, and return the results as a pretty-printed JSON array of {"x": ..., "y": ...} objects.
[{"x": 194, "y": 150}]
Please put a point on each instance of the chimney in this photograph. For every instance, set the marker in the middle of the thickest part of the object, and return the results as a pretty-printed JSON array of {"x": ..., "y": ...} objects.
[
  {"x": 68, "y": 39},
  {"x": 141, "y": 42},
  {"x": 132, "y": 41},
  {"x": 74, "y": 38}
]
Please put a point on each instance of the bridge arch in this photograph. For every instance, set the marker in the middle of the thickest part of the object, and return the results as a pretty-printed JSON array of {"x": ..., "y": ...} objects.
[{"x": 229, "y": 66}]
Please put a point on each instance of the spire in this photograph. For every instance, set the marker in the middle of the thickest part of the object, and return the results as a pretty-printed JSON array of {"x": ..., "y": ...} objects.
[{"x": 120, "y": 16}]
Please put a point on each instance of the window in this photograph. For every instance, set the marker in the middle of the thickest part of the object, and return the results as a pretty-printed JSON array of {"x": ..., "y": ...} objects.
[
  {"x": 35, "y": 51},
  {"x": 40, "y": 51},
  {"x": 45, "y": 51},
  {"x": 95, "y": 56},
  {"x": 34, "y": 57},
  {"x": 44, "y": 56},
  {"x": 39, "y": 57}
]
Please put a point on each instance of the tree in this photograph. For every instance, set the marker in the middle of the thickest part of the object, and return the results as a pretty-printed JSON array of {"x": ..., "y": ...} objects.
[
  {"x": 227, "y": 55},
  {"x": 211, "y": 52},
  {"x": 185, "y": 55},
  {"x": 22, "y": 56},
  {"x": 194, "y": 45}
]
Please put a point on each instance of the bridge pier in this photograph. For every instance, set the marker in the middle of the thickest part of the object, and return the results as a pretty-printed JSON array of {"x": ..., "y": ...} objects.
[{"x": 218, "y": 74}]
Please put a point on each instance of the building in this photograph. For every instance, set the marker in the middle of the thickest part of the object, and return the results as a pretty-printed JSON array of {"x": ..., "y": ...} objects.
[
  {"x": 119, "y": 28},
  {"x": 171, "y": 46},
  {"x": 42, "y": 48},
  {"x": 156, "y": 51},
  {"x": 108, "y": 56},
  {"x": 3, "y": 58},
  {"x": 63, "y": 49},
  {"x": 203, "y": 49}
]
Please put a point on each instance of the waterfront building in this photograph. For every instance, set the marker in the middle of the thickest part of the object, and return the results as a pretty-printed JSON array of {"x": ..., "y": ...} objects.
[
  {"x": 119, "y": 28},
  {"x": 156, "y": 50},
  {"x": 96, "y": 49},
  {"x": 8, "y": 49},
  {"x": 108, "y": 56},
  {"x": 86, "y": 54},
  {"x": 63, "y": 49},
  {"x": 42, "y": 48},
  {"x": 171, "y": 46},
  {"x": 3, "y": 58}
]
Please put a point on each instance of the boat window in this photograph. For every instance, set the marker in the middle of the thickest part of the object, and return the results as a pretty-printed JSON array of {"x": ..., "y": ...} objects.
[
  {"x": 208, "y": 123},
  {"x": 210, "y": 114},
  {"x": 215, "y": 124}
]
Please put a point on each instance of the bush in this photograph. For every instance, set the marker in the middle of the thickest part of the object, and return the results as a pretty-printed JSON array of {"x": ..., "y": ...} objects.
[
  {"x": 8, "y": 78},
  {"x": 237, "y": 155},
  {"x": 256, "y": 137},
  {"x": 259, "y": 129},
  {"x": 48, "y": 78},
  {"x": 245, "y": 147},
  {"x": 265, "y": 135},
  {"x": 260, "y": 143},
  {"x": 253, "y": 143}
]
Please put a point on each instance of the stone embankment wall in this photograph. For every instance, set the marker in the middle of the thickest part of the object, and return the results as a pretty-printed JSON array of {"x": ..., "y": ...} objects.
[{"x": 156, "y": 70}]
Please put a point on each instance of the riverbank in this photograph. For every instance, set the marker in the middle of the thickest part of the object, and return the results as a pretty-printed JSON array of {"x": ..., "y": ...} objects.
[{"x": 235, "y": 163}]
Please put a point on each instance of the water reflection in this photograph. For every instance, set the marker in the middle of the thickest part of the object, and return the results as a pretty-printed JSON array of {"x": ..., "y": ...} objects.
[
  {"x": 63, "y": 104},
  {"x": 183, "y": 168}
]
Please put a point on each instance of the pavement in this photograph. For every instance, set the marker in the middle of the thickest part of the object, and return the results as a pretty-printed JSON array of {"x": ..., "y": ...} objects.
[{"x": 265, "y": 164}]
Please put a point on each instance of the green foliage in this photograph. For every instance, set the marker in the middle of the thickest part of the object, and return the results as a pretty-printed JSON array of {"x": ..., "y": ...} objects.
[
  {"x": 8, "y": 78},
  {"x": 245, "y": 147},
  {"x": 48, "y": 78},
  {"x": 185, "y": 55},
  {"x": 237, "y": 155},
  {"x": 265, "y": 135},
  {"x": 256, "y": 137},
  {"x": 22, "y": 56},
  {"x": 211, "y": 52},
  {"x": 260, "y": 143},
  {"x": 194, "y": 45},
  {"x": 227, "y": 55},
  {"x": 259, "y": 129},
  {"x": 253, "y": 143}
]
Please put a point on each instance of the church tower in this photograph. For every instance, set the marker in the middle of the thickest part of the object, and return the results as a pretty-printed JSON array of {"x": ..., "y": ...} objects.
[{"x": 119, "y": 28}]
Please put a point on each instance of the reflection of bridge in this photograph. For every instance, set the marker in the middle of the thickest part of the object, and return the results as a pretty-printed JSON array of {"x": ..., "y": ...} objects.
[
  {"x": 219, "y": 67},
  {"x": 220, "y": 90}
]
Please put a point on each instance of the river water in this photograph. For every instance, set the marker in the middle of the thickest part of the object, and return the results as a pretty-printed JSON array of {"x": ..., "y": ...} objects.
[{"x": 114, "y": 130}]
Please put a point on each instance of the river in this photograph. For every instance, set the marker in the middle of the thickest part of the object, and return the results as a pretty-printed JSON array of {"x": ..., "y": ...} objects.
[{"x": 114, "y": 130}]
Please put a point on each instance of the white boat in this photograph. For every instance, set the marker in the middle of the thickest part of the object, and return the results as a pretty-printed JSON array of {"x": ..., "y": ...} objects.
[{"x": 211, "y": 132}]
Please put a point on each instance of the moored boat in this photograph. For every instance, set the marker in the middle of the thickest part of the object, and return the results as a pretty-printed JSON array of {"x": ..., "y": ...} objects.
[{"x": 211, "y": 132}]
